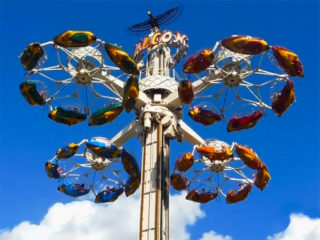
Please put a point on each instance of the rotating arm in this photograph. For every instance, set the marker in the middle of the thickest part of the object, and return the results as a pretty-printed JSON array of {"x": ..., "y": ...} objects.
[
  {"x": 125, "y": 134},
  {"x": 199, "y": 86},
  {"x": 115, "y": 84},
  {"x": 189, "y": 135},
  {"x": 203, "y": 83},
  {"x": 142, "y": 100}
]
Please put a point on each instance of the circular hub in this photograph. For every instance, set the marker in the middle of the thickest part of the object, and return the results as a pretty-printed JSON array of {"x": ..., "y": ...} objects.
[
  {"x": 231, "y": 74},
  {"x": 83, "y": 75},
  {"x": 217, "y": 166},
  {"x": 97, "y": 163}
]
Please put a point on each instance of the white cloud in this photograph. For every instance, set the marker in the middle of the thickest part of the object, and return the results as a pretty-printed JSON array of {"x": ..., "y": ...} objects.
[
  {"x": 83, "y": 220},
  {"x": 212, "y": 235},
  {"x": 300, "y": 227},
  {"x": 182, "y": 214}
]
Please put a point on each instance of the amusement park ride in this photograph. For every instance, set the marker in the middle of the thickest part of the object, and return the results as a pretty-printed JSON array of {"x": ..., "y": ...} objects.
[{"x": 231, "y": 77}]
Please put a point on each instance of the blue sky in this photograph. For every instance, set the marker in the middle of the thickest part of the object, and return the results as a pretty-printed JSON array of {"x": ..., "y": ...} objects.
[{"x": 289, "y": 145}]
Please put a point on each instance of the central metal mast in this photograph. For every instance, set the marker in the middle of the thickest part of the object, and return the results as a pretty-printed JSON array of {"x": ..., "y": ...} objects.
[
  {"x": 154, "y": 209},
  {"x": 158, "y": 121}
]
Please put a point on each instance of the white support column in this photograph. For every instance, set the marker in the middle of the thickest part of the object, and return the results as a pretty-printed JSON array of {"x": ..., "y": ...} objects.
[{"x": 154, "y": 209}]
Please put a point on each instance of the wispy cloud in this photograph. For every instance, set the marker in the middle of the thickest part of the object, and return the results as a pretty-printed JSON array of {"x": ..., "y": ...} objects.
[{"x": 212, "y": 235}]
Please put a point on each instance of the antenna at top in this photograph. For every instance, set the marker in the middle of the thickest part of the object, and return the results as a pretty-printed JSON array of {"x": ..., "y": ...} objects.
[{"x": 157, "y": 21}]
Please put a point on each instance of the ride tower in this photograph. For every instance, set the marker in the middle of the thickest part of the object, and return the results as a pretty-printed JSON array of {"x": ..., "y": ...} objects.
[
  {"x": 151, "y": 87},
  {"x": 160, "y": 125}
]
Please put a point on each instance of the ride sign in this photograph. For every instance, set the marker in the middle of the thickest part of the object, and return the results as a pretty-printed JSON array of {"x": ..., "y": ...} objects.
[{"x": 166, "y": 37}]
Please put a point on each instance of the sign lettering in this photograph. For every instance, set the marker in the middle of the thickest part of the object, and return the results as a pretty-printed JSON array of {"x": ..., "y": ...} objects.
[{"x": 167, "y": 37}]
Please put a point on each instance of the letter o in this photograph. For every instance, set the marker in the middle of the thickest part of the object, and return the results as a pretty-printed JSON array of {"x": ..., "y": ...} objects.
[{"x": 166, "y": 36}]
